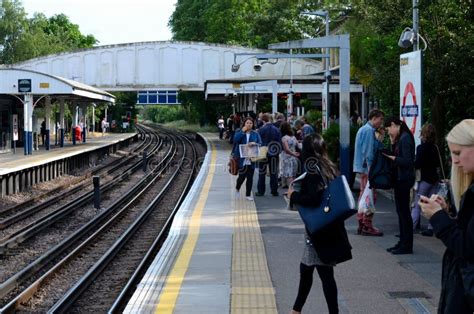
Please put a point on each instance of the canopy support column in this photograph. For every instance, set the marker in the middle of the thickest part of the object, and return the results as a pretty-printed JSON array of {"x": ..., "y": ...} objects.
[{"x": 61, "y": 122}]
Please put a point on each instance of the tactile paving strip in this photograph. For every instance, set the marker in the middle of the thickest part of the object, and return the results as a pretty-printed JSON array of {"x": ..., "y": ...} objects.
[{"x": 252, "y": 289}]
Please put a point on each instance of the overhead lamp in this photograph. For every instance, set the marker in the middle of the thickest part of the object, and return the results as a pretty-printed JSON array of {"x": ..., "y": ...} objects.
[{"x": 407, "y": 38}]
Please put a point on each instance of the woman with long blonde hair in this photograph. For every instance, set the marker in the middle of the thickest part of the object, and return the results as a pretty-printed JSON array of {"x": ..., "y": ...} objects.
[{"x": 456, "y": 233}]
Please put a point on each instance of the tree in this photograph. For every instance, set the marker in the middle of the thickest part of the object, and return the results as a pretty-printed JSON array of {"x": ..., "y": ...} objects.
[
  {"x": 12, "y": 25},
  {"x": 447, "y": 62},
  {"x": 22, "y": 38}
]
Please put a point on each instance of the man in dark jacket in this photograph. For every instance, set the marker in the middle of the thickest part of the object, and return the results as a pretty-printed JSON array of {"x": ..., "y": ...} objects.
[{"x": 271, "y": 138}]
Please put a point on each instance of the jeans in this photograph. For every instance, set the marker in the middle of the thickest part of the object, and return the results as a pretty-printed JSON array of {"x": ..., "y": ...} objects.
[
  {"x": 425, "y": 189},
  {"x": 246, "y": 173},
  {"x": 274, "y": 163}
]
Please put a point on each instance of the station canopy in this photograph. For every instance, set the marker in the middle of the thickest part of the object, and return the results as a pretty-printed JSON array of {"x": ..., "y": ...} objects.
[{"x": 22, "y": 81}]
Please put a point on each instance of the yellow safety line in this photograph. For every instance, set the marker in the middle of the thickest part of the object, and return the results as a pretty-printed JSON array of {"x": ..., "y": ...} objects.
[{"x": 175, "y": 279}]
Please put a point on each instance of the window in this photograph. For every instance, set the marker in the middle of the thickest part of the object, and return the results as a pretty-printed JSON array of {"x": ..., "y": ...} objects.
[{"x": 162, "y": 97}]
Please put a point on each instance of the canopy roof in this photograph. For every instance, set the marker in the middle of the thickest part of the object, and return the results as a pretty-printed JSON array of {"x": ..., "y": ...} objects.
[{"x": 20, "y": 81}]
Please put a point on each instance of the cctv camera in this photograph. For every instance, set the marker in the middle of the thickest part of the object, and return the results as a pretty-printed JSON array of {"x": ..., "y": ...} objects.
[
  {"x": 257, "y": 67},
  {"x": 235, "y": 67},
  {"x": 234, "y": 94},
  {"x": 327, "y": 75}
]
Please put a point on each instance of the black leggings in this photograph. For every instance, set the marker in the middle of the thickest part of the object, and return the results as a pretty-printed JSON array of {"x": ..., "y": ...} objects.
[
  {"x": 326, "y": 273},
  {"x": 246, "y": 173}
]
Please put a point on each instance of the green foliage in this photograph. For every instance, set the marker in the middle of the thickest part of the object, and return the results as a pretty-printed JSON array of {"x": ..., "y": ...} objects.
[
  {"x": 186, "y": 126},
  {"x": 163, "y": 114},
  {"x": 254, "y": 23},
  {"x": 448, "y": 62},
  {"x": 315, "y": 118},
  {"x": 22, "y": 38},
  {"x": 331, "y": 137}
]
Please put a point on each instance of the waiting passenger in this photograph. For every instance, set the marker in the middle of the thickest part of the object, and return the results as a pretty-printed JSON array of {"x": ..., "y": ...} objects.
[
  {"x": 457, "y": 233},
  {"x": 248, "y": 136},
  {"x": 328, "y": 246}
]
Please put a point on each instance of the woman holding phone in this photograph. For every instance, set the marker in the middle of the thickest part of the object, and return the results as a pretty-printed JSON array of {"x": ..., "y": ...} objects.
[
  {"x": 403, "y": 174},
  {"x": 456, "y": 234}
]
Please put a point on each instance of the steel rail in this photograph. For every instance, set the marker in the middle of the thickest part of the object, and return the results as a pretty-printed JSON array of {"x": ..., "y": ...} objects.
[
  {"x": 64, "y": 304},
  {"x": 52, "y": 200},
  {"x": 32, "y": 229},
  {"x": 132, "y": 283},
  {"x": 15, "y": 280}
]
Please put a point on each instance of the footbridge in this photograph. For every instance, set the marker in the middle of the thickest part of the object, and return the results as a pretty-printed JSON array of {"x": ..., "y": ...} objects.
[{"x": 166, "y": 65}]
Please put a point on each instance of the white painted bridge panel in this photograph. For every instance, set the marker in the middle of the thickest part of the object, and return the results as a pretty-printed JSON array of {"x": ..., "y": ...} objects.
[{"x": 160, "y": 65}]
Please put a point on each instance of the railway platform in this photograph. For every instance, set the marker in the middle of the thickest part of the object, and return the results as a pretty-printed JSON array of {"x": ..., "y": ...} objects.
[
  {"x": 225, "y": 254},
  {"x": 19, "y": 171}
]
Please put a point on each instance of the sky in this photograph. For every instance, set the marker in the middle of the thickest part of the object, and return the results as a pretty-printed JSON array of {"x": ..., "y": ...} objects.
[{"x": 112, "y": 21}]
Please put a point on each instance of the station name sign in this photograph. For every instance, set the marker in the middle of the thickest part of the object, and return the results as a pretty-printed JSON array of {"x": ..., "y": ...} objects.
[{"x": 24, "y": 86}]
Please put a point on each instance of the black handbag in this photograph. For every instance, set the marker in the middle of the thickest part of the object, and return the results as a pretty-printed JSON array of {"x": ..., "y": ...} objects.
[
  {"x": 380, "y": 175},
  {"x": 467, "y": 274},
  {"x": 337, "y": 203}
]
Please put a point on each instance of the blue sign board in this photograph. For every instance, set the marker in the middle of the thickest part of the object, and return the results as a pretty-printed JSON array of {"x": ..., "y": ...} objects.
[
  {"x": 409, "y": 111},
  {"x": 161, "y": 97}
]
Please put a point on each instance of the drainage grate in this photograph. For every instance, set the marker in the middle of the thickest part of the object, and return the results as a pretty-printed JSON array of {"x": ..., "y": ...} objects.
[{"x": 407, "y": 294}]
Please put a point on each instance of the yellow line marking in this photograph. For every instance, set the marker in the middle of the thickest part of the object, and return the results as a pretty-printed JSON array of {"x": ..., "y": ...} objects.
[{"x": 175, "y": 279}]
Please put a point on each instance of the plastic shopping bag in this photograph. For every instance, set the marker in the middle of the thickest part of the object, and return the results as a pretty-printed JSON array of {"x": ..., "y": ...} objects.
[{"x": 366, "y": 202}]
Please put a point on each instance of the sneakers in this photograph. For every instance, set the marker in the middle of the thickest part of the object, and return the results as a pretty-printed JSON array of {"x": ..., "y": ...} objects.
[
  {"x": 249, "y": 198},
  {"x": 258, "y": 194}
]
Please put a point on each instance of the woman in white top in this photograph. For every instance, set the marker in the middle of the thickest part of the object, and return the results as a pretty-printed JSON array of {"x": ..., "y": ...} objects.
[
  {"x": 221, "y": 126},
  {"x": 289, "y": 155}
]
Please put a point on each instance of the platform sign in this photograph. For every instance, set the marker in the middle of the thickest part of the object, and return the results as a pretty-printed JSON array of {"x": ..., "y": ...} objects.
[
  {"x": 15, "y": 127},
  {"x": 411, "y": 92},
  {"x": 24, "y": 86}
]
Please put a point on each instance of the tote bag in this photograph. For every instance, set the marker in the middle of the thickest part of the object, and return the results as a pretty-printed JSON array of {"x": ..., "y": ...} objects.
[{"x": 337, "y": 203}]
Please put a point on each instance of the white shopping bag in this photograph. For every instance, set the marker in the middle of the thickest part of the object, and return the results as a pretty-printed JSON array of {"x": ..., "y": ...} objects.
[{"x": 366, "y": 203}]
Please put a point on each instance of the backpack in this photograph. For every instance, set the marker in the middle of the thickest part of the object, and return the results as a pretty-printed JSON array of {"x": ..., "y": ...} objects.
[{"x": 380, "y": 175}]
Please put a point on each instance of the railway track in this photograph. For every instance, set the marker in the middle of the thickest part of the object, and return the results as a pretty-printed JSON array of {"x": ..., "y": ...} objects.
[{"x": 116, "y": 245}]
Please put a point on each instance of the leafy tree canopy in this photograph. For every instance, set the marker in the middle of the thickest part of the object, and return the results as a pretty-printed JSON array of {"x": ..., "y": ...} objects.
[
  {"x": 374, "y": 27},
  {"x": 23, "y": 38}
]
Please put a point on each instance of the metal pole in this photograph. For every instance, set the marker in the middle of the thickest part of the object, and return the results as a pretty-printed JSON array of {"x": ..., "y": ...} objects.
[
  {"x": 96, "y": 181},
  {"x": 344, "y": 106},
  {"x": 289, "y": 105},
  {"x": 415, "y": 25},
  {"x": 326, "y": 74}
]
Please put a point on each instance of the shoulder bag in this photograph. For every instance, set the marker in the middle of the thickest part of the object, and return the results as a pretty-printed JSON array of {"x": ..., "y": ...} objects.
[
  {"x": 380, "y": 175},
  {"x": 337, "y": 203}
]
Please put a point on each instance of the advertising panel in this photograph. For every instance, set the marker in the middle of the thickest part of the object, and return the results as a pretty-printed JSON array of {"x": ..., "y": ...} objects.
[{"x": 411, "y": 92}]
